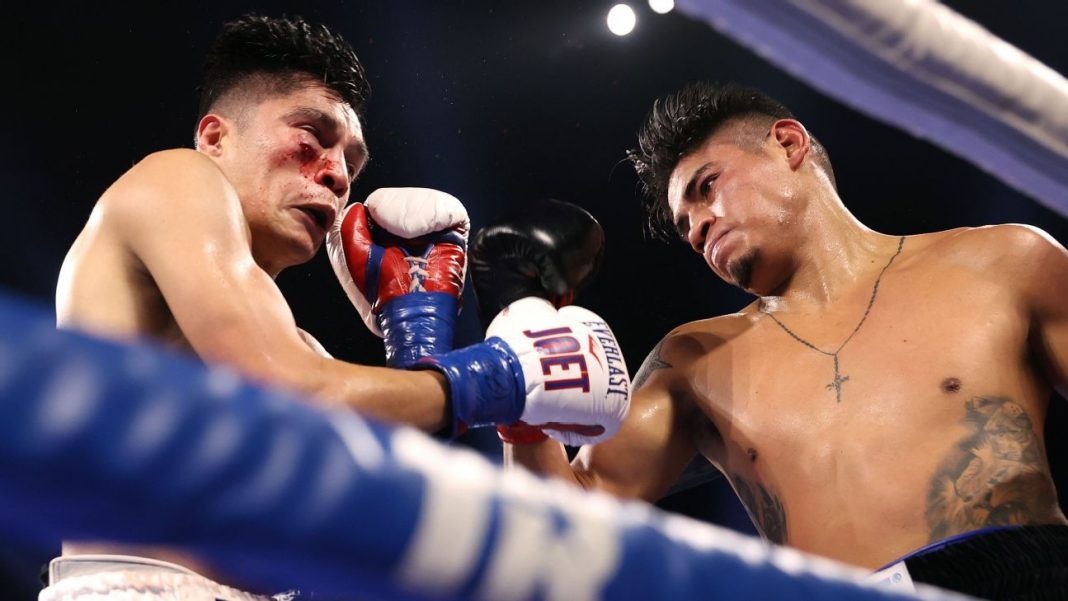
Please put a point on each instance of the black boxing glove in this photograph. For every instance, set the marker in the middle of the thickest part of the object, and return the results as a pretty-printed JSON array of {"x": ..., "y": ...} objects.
[{"x": 547, "y": 248}]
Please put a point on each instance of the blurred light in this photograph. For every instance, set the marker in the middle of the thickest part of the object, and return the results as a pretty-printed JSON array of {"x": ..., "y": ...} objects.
[
  {"x": 621, "y": 19},
  {"x": 661, "y": 6}
]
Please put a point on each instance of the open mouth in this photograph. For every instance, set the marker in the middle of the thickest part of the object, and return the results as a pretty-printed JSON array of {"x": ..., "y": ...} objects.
[{"x": 319, "y": 215}]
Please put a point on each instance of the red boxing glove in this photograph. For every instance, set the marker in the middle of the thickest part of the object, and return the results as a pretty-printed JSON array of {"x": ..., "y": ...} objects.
[{"x": 401, "y": 258}]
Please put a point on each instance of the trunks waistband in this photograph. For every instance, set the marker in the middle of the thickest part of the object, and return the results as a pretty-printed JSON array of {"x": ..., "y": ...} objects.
[{"x": 945, "y": 542}]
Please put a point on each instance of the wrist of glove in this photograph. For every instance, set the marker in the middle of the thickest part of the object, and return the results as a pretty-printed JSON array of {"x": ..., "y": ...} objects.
[
  {"x": 417, "y": 325},
  {"x": 557, "y": 370},
  {"x": 486, "y": 383}
]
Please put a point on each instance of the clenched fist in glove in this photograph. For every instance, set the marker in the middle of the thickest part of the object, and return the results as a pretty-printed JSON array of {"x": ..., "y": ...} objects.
[
  {"x": 558, "y": 370},
  {"x": 547, "y": 248},
  {"x": 401, "y": 258}
]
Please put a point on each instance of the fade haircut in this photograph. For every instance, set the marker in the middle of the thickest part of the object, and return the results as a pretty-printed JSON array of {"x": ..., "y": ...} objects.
[
  {"x": 679, "y": 123},
  {"x": 256, "y": 57}
]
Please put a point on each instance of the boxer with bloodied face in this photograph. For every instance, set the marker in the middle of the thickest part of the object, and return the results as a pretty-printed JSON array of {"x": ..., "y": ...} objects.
[{"x": 183, "y": 249}]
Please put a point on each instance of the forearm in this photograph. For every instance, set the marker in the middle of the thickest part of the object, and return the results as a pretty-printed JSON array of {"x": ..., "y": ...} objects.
[
  {"x": 547, "y": 458},
  {"x": 417, "y": 398}
]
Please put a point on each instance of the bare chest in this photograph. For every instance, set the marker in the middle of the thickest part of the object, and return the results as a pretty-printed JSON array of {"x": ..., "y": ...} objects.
[
  {"x": 851, "y": 432},
  {"x": 920, "y": 352}
]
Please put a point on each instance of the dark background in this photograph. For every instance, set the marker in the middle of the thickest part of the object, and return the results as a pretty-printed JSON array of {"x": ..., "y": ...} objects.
[{"x": 497, "y": 103}]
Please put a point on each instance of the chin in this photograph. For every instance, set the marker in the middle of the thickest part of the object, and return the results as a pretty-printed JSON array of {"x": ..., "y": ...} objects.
[
  {"x": 306, "y": 254},
  {"x": 741, "y": 269}
]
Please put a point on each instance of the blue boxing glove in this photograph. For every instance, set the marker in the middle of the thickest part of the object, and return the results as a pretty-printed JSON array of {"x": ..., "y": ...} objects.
[
  {"x": 401, "y": 258},
  {"x": 558, "y": 370}
]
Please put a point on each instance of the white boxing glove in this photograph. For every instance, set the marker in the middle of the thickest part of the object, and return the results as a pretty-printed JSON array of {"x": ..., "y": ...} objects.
[
  {"x": 576, "y": 380},
  {"x": 560, "y": 371}
]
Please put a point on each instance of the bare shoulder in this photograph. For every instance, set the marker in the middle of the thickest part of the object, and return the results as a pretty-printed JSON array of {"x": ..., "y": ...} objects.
[
  {"x": 992, "y": 244},
  {"x": 1019, "y": 256},
  {"x": 163, "y": 167},
  {"x": 725, "y": 326},
  {"x": 168, "y": 176},
  {"x": 176, "y": 189},
  {"x": 684, "y": 345}
]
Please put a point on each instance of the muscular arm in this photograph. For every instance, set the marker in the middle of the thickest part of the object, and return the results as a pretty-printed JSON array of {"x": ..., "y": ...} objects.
[
  {"x": 189, "y": 233},
  {"x": 650, "y": 450}
]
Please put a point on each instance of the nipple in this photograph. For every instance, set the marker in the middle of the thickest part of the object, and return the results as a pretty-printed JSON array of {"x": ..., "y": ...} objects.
[{"x": 951, "y": 385}]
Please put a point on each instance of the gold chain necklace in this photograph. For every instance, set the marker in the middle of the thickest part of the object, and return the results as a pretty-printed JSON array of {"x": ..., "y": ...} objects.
[{"x": 839, "y": 379}]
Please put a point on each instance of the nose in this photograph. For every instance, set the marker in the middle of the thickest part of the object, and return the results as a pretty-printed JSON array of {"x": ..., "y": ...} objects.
[
  {"x": 701, "y": 222},
  {"x": 333, "y": 174}
]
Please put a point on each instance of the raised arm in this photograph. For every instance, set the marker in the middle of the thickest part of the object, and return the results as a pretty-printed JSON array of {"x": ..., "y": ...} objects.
[
  {"x": 177, "y": 215},
  {"x": 651, "y": 449}
]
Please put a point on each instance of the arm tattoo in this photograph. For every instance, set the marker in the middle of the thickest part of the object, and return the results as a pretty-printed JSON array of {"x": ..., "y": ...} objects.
[
  {"x": 995, "y": 476},
  {"x": 764, "y": 508},
  {"x": 652, "y": 363}
]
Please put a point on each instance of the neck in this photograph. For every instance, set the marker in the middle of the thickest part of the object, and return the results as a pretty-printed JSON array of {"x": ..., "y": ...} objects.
[{"x": 837, "y": 255}]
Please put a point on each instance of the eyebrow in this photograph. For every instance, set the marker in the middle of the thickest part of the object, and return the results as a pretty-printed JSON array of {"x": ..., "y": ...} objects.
[
  {"x": 692, "y": 184},
  {"x": 327, "y": 120}
]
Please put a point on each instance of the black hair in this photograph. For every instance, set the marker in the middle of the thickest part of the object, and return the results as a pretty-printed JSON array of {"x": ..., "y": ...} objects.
[
  {"x": 276, "y": 55},
  {"x": 681, "y": 122}
]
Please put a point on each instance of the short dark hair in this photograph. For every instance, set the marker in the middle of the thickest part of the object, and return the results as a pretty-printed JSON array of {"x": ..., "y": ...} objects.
[
  {"x": 276, "y": 55},
  {"x": 680, "y": 123}
]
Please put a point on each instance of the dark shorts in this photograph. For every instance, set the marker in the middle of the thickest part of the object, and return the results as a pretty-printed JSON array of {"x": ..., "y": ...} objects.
[{"x": 1018, "y": 562}]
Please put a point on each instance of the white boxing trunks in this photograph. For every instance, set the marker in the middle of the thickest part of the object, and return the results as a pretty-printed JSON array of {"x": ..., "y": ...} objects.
[{"x": 127, "y": 578}]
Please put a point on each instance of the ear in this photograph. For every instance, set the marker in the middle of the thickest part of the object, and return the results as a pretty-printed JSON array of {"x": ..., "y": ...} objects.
[
  {"x": 793, "y": 138},
  {"x": 211, "y": 131}
]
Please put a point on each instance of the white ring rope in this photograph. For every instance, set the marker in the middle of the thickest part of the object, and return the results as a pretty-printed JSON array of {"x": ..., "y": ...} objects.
[{"x": 924, "y": 68}]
